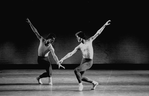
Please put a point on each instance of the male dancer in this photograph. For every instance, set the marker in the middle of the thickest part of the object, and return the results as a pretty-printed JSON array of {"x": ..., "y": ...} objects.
[
  {"x": 87, "y": 51},
  {"x": 44, "y": 48}
]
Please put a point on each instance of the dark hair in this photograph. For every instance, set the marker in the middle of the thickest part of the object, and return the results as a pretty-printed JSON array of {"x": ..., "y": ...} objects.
[
  {"x": 81, "y": 35},
  {"x": 51, "y": 36}
]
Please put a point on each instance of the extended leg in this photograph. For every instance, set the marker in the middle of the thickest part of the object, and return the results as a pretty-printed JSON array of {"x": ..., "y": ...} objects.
[{"x": 85, "y": 79}]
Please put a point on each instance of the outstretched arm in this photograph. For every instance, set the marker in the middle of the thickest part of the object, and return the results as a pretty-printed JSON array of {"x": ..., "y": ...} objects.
[
  {"x": 55, "y": 57},
  {"x": 34, "y": 29},
  {"x": 69, "y": 54},
  {"x": 100, "y": 30}
]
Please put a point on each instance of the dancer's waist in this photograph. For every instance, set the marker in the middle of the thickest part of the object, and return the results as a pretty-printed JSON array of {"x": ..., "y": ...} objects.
[
  {"x": 87, "y": 59},
  {"x": 42, "y": 57}
]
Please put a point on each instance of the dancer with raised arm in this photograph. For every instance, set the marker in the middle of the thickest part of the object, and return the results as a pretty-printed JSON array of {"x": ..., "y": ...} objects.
[
  {"x": 87, "y": 52},
  {"x": 45, "y": 47}
]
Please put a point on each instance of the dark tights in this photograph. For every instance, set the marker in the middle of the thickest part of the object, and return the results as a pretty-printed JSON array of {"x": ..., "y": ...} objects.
[
  {"x": 79, "y": 71},
  {"x": 46, "y": 65},
  {"x": 80, "y": 78}
]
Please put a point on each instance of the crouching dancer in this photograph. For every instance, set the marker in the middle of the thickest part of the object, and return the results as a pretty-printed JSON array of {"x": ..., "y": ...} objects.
[
  {"x": 87, "y": 53},
  {"x": 45, "y": 47}
]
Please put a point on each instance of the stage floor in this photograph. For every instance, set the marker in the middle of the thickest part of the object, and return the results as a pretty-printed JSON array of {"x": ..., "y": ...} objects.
[{"x": 111, "y": 83}]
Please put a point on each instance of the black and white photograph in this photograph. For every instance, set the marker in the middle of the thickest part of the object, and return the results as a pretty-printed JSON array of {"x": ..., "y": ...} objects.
[{"x": 74, "y": 48}]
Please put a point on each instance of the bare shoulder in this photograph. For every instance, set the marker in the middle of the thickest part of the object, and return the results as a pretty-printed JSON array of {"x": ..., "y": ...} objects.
[{"x": 89, "y": 39}]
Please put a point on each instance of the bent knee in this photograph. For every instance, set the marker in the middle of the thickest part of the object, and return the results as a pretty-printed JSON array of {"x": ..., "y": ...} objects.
[{"x": 76, "y": 70}]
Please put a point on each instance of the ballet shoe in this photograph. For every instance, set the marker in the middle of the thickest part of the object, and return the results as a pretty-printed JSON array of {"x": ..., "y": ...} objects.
[
  {"x": 39, "y": 80},
  {"x": 94, "y": 85},
  {"x": 50, "y": 81},
  {"x": 80, "y": 86}
]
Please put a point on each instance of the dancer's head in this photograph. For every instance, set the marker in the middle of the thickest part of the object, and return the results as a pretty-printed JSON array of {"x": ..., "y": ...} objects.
[
  {"x": 50, "y": 38},
  {"x": 80, "y": 36}
]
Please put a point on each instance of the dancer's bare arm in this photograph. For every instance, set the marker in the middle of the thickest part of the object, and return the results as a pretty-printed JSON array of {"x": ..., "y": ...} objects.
[
  {"x": 55, "y": 57},
  {"x": 34, "y": 29},
  {"x": 69, "y": 54},
  {"x": 100, "y": 30}
]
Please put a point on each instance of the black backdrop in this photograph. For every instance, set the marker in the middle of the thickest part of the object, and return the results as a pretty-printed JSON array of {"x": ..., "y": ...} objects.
[{"x": 124, "y": 41}]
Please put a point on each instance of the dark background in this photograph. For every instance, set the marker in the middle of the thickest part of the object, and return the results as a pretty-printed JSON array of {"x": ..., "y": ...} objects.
[{"x": 124, "y": 41}]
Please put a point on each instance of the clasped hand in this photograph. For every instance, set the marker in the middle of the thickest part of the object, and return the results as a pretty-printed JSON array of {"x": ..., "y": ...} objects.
[{"x": 59, "y": 64}]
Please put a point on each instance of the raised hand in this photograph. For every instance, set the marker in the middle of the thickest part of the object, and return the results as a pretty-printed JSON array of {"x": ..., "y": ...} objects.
[
  {"x": 108, "y": 22},
  {"x": 28, "y": 21}
]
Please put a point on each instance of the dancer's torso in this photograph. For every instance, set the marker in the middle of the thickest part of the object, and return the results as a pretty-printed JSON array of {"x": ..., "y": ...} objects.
[{"x": 87, "y": 49}]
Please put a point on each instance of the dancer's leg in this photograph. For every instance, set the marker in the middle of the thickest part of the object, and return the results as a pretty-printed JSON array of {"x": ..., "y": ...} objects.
[
  {"x": 85, "y": 66},
  {"x": 47, "y": 66},
  {"x": 49, "y": 71}
]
